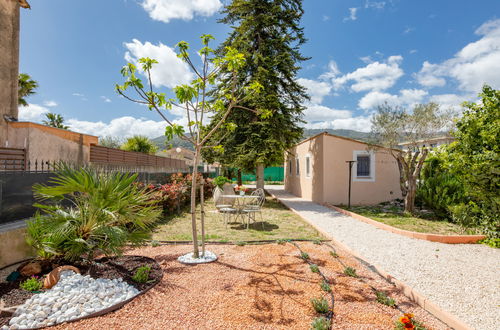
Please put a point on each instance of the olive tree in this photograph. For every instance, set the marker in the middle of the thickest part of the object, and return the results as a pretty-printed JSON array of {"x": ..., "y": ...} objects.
[
  {"x": 195, "y": 100},
  {"x": 393, "y": 125}
]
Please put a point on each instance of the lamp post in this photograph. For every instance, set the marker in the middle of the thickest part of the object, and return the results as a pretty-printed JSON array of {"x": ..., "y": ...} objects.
[{"x": 350, "y": 162}]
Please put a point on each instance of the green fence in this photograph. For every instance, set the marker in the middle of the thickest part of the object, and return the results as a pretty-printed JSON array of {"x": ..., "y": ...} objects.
[{"x": 270, "y": 174}]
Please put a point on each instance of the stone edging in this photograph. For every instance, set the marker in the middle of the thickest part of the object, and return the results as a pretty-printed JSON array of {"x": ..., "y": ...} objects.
[
  {"x": 445, "y": 317},
  {"x": 448, "y": 239}
]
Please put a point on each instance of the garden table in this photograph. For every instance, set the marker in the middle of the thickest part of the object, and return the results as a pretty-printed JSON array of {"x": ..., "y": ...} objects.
[{"x": 240, "y": 201}]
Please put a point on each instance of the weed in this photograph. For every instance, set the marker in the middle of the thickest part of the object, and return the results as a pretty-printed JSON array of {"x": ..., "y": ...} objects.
[
  {"x": 325, "y": 286},
  {"x": 320, "y": 305},
  {"x": 281, "y": 241},
  {"x": 304, "y": 255},
  {"x": 317, "y": 241},
  {"x": 334, "y": 254},
  {"x": 320, "y": 323},
  {"x": 141, "y": 274},
  {"x": 239, "y": 243},
  {"x": 155, "y": 243},
  {"x": 349, "y": 271},
  {"x": 384, "y": 299},
  {"x": 32, "y": 284},
  {"x": 314, "y": 268}
]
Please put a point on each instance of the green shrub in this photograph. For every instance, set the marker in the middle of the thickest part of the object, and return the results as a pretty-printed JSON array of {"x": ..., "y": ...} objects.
[
  {"x": 304, "y": 255},
  {"x": 320, "y": 305},
  {"x": 220, "y": 181},
  {"x": 325, "y": 286},
  {"x": 281, "y": 241},
  {"x": 474, "y": 215},
  {"x": 314, "y": 268},
  {"x": 317, "y": 242},
  {"x": 107, "y": 211},
  {"x": 32, "y": 284},
  {"x": 334, "y": 254},
  {"x": 141, "y": 274},
  {"x": 349, "y": 271},
  {"x": 155, "y": 243},
  {"x": 384, "y": 299},
  {"x": 320, "y": 323}
]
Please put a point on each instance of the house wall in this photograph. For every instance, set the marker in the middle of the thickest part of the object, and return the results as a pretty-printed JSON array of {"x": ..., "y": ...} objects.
[
  {"x": 383, "y": 184},
  {"x": 308, "y": 187},
  {"x": 9, "y": 63},
  {"x": 49, "y": 143}
]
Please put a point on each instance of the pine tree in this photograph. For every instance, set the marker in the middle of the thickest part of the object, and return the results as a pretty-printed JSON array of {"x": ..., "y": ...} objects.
[{"x": 269, "y": 34}]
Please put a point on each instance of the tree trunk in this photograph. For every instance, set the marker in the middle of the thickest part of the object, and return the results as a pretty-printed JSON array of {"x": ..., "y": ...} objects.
[
  {"x": 194, "y": 184},
  {"x": 240, "y": 182},
  {"x": 410, "y": 197},
  {"x": 202, "y": 216},
  {"x": 260, "y": 176}
]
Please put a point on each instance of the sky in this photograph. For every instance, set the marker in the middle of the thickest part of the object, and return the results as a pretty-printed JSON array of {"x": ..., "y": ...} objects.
[{"x": 363, "y": 53}]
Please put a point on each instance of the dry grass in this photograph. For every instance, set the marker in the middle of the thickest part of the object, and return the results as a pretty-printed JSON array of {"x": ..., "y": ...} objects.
[{"x": 278, "y": 222}]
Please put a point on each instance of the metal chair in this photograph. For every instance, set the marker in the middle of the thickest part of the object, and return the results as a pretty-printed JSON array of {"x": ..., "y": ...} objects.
[
  {"x": 226, "y": 209},
  {"x": 255, "y": 207}
]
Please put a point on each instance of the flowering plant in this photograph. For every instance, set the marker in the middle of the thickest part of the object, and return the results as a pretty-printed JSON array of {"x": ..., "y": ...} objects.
[
  {"x": 32, "y": 284},
  {"x": 241, "y": 188},
  {"x": 407, "y": 322}
]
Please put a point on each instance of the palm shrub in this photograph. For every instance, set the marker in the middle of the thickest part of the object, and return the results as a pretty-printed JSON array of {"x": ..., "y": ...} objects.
[{"x": 90, "y": 212}]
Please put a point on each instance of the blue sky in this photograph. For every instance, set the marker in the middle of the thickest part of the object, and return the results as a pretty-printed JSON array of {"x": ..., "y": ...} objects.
[{"x": 362, "y": 53}]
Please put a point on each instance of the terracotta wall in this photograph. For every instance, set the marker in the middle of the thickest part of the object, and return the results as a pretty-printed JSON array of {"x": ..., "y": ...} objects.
[
  {"x": 49, "y": 143},
  {"x": 329, "y": 179}
]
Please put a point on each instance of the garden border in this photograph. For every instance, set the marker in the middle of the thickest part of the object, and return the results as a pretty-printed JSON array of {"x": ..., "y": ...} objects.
[
  {"x": 447, "y": 239},
  {"x": 445, "y": 317},
  {"x": 114, "y": 307}
]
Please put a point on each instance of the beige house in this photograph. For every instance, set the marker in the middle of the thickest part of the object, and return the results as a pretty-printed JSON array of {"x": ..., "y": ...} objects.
[{"x": 317, "y": 169}]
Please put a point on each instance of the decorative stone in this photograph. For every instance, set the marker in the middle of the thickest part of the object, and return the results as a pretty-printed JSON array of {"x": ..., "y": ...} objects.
[
  {"x": 30, "y": 269},
  {"x": 189, "y": 259}
]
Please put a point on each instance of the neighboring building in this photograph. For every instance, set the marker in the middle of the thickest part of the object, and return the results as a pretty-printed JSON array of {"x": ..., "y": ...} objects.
[
  {"x": 427, "y": 143},
  {"x": 316, "y": 169},
  {"x": 179, "y": 153}
]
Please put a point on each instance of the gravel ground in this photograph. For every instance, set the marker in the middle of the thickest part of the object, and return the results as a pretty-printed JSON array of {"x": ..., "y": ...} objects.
[
  {"x": 463, "y": 279},
  {"x": 255, "y": 287}
]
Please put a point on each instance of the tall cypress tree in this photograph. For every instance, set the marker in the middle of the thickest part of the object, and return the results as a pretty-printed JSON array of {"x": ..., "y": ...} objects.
[{"x": 268, "y": 32}]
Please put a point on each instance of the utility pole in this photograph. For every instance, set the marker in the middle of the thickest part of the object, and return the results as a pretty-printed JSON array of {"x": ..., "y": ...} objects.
[{"x": 350, "y": 162}]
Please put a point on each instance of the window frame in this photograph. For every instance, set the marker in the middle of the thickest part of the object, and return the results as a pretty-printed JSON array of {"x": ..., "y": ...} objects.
[
  {"x": 371, "y": 176},
  {"x": 297, "y": 166},
  {"x": 308, "y": 166}
]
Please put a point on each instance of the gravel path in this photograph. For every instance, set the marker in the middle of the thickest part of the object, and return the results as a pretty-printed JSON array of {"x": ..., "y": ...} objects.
[{"x": 463, "y": 279}]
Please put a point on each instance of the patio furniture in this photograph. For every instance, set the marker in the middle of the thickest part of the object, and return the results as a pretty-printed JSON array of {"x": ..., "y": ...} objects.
[
  {"x": 223, "y": 207},
  {"x": 255, "y": 207},
  {"x": 240, "y": 203}
]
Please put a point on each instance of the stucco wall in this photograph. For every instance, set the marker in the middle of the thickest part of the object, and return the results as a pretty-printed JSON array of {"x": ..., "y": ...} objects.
[
  {"x": 309, "y": 187},
  {"x": 9, "y": 63},
  {"x": 49, "y": 143},
  {"x": 13, "y": 246},
  {"x": 330, "y": 173}
]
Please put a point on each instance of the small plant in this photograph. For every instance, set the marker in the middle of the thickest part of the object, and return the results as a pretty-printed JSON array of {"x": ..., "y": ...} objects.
[
  {"x": 407, "y": 322},
  {"x": 32, "y": 284},
  {"x": 314, "y": 268},
  {"x": 239, "y": 243},
  {"x": 141, "y": 274},
  {"x": 384, "y": 299},
  {"x": 325, "y": 286},
  {"x": 304, "y": 255},
  {"x": 220, "y": 181},
  {"x": 320, "y": 305},
  {"x": 349, "y": 271},
  {"x": 317, "y": 241},
  {"x": 155, "y": 243},
  {"x": 320, "y": 323},
  {"x": 281, "y": 241},
  {"x": 334, "y": 254}
]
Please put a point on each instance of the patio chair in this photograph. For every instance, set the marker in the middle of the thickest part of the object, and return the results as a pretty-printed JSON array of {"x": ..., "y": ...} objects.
[
  {"x": 226, "y": 209},
  {"x": 255, "y": 207}
]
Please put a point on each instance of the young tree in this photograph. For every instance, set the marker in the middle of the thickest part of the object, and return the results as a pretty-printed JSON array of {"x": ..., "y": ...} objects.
[
  {"x": 394, "y": 125},
  {"x": 26, "y": 87},
  {"x": 54, "y": 120},
  {"x": 269, "y": 34},
  {"x": 193, "y": 98},
  {"x": 139, "y": 143},
  {"x": 110, "y": 142}
]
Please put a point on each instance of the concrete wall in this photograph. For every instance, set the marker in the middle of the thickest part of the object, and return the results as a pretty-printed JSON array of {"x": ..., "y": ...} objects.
[
  {"x": 9, "y": 63},
  {"x": 329, "y": 179},
  {"x": 49, "y": 143},
  {"x": 13, "y": 246}
]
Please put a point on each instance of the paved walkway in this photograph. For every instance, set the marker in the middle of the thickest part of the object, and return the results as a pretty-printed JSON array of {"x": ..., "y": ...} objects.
[{"x": 463, "y": 279}]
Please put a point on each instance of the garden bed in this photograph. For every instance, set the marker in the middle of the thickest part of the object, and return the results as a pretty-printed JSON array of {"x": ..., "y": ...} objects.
[
  {"x": 109, "y": 268},
  {"x": 260, "y": 287}
]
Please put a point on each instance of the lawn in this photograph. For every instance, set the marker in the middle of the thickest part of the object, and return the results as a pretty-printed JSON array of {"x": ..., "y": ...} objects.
[
  {"x": 422, "y": 223},
  {"x": 279, "y": 223}
]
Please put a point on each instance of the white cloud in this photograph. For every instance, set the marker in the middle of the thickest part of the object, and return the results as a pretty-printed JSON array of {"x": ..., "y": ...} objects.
[
  {"x": 50, "y": 103},
  {"x": 166, "y": 10},
  {"x": 406, "y": 97},
  {"x": 451, "y": 101},
  {"x": 170, "y": 70},
  {"x": 352, "y": 15},
  {"x": 81, "y": 96},
  {"x": 360, "y": 123},
  {"x": 375, "y": 4},
  {"x": 317, "y": 90},
  {"x": 408, "y": 29},
  {"x": 317, "y": 112},
  {"x": 476, "y": 64},
  {"x": 376, "y": 76},
  {"x": 106, "y": 99},
  {"x": 333, "y": 71},
  {"x": 32, "y": 112}
]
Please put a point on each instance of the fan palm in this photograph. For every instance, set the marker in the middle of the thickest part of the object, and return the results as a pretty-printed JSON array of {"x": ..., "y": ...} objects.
[
  {"x": 26, "y": 87},
  {"x": 55, "y": 120},
  {"x": 104, "y": 212},
  {"x": 140, "y": 143}
]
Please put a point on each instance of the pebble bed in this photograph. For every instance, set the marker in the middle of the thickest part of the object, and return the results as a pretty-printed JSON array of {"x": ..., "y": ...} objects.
[
  {"x": 189, "y": 259},
  {"x": 73, "y": 297},
  {"x": 460, "y": 278}
]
